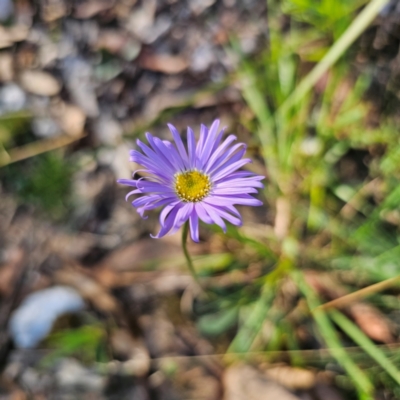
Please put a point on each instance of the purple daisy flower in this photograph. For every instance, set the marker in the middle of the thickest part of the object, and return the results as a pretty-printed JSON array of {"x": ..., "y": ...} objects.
[{"x": 202, "y": 182}]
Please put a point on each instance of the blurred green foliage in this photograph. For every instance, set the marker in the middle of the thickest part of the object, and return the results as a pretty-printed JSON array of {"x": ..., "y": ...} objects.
[
  {"x": 336, "y": 170},
  {"x": 43, "y": 181},
  {"x": 332, "y": 162},
  {"x": 87, "y": 343}
]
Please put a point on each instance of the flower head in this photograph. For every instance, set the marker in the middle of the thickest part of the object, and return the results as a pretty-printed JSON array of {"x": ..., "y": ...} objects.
[{"x": 200, "y": 182}]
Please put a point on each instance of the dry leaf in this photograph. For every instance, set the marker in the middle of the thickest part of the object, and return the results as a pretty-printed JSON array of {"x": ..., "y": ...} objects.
[
  {"x": 163, "y": 63},
  {"x": 292, "y": 378},
  {"x": 88, "y": 289},
  {"x": 242, "y": 382},
  {"x": 372, "y": 322},
  {"x": 40, "y": 83}
]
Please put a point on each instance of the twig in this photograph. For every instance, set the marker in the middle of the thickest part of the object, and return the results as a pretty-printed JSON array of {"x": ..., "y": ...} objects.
[
  {"x": 36, "y": 148},
  {"x": 359, "y": 294}
]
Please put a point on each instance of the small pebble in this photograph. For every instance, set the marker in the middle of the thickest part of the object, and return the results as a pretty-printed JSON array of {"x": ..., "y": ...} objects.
[
  {"x": 40, "y": 83},
  {"x": 12, "y": 98},
  {"x": 33, "y": 319},
  {"x": 6, "y": 9},
  {"x": 45, "y": 127}
]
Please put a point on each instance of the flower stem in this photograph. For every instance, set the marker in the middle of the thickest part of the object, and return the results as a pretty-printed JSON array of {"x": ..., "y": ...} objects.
[{"x": 189, "y": 261}]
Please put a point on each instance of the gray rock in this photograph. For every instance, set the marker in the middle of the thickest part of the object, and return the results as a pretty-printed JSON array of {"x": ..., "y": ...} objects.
[
  {"x": 199, "y": 6},
  {"x": 12, "y": 98},
  {"x": 202, "y": 58},
  {"x": 71, "y": 375},
  {"x": 78, "y": 79},
  {"x": 107, "y": 130},
  {"x": 6, "y": 9},
  {"x": 45, "y": 127},
  {"x": 143, "y": 24},
  {"x": 161, "y": 26},
  {"x": 33, "y": 319}
]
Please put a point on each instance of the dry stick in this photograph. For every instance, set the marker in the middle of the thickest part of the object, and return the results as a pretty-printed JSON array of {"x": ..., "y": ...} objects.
[
  {"x": 252, "y": 355},
  {"x": 323, "y": 352},
  {"x": 36, "y": 148},
  {"x": 359, "y": 294}
]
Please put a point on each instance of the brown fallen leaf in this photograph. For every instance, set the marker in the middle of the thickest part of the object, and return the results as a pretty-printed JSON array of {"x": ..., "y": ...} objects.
[
  {"x": 112, "y": 40},
  {"x": 88, "y": 9},
  {"x": 372, "y": 322},
  {"x": 291, "y": 377},
  {"x": 243, "y": 382},
  {"x": 16, "y": 33},
  {"x": 6, "y": 67},
  {"x": 10, "y": 270},
  {"x": 88, "y": 289},
  {"x": 163, "y": 63},
  {"x": 132, "y": 351},
  {"x": 135, "y": 255}
]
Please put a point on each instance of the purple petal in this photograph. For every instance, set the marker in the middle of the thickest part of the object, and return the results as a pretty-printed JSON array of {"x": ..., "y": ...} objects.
[
  {"x": 182, "y": 216},
  {"x": 167, "y": 209},
  {"x": 137, "y": 191},
  {"x": 143, "y": 200},
  {"x": 238, "y": 183},
  {"x": 230, "y": 168},
  {"x": 233, "y": 190},
  {"x": 157, "y": 168},
  {"x": 150, "y": 205},
  {"x": 218, "y": 139},
  {"x": 154, "y": 157},
  {"x": 179, "y": 145},
  {"x": 234, "y": 154},
  {"x": 128, "y": 182},
  {"x": 212, "y": 212},
  {"x": 202, "y": 213},
  {"x": 191, "y": 148},
  {"x": 209, "y": 143},
  {"x": 171, "y": 151},
  {"x": 200, "y": 143},
  {"x": 217, "y": 153},
  {"x": 227, "y": 200},
  {"x": 245, "y": 174},
  {"x": 148, "y": 186},
  {"x": 224, "y": 214},
  {"x": 168, "y": 223},
  {"x": 165, "y": 153}
]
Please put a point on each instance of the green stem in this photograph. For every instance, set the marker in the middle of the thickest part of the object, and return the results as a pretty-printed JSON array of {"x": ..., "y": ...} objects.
[{"x": 189, "y": 261}]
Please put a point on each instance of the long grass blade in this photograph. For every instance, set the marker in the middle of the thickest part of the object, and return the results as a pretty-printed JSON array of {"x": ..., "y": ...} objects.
[
  {"x": 363, "y": 341},
  {"x": 360, "y": 23},
  {"x": 327, "y": 330}
]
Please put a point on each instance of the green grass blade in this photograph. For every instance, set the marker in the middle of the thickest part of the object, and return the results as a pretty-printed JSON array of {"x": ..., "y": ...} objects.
[
  {"x": 357, "y": 27},
  {"x": 363, "y": 341},
  {"x": 250, "y": 329},
  {"x": 363, "y": 384},
  {"x": 256, "y": 101}
]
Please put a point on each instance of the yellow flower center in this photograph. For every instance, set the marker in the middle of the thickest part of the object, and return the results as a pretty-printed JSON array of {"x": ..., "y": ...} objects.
[{"x": 192, "y": 186}]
